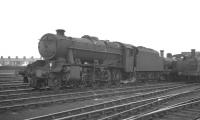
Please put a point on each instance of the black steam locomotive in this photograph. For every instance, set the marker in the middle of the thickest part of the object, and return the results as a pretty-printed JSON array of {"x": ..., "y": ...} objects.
[
  {"x": 81, "y": 61},
  {"x": 186, "y": 67},
  {"x": 84, "y": 61}
]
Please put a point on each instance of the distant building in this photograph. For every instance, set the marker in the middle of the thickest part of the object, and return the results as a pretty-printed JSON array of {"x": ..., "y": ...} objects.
[
  {"x": 197, "y": 53},
  {"x": 17, "y": 61}
]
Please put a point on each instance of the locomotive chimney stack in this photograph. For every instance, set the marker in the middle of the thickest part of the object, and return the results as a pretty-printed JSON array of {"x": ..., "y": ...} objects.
[
  {"x": 60, "y": 32},
  {"x": 162, "y": 53},
  {"x": 193, "y": 53}
]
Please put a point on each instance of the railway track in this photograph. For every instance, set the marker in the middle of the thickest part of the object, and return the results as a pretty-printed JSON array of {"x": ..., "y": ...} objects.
[
  {"x": 14, "y": 86},
  {"x": 21, "y": 93},
  {"x": 11, "y": 81},
  {"x": 15, "y": 91},
  {"x": 18, "y": 104},
  {"x": 8, "y": 82},
  {"x": 10, "y": 76},
  {"x": 16, "y": 96},
  {"x": 110, "y": 108},
  {"x": 187, "y": 110}
]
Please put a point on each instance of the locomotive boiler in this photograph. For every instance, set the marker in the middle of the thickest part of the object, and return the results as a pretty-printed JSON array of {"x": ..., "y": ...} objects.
[{"x": 82, "y": 61}]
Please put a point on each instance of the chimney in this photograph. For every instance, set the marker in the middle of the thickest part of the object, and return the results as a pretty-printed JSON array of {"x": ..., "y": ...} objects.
[
  {"x": 60, "y": 32},
  {"x": 162, "y": 53},
  {"x": 192, "y": 52}
]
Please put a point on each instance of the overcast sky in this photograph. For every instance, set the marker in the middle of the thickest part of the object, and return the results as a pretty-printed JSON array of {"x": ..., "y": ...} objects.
[{"x": 171, "y": 25}]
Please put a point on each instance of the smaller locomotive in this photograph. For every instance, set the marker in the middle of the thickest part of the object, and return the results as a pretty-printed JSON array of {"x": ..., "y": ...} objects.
[{"x": 187, "y": 66}]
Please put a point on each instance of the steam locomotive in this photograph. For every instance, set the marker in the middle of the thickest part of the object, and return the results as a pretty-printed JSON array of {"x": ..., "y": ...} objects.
[
  {"x": 186, "y": 67},
  {"x": 88, "y": 61}
]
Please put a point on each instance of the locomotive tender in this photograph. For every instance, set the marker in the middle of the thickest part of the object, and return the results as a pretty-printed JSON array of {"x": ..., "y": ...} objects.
[{"x": 149, "y": 65}]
